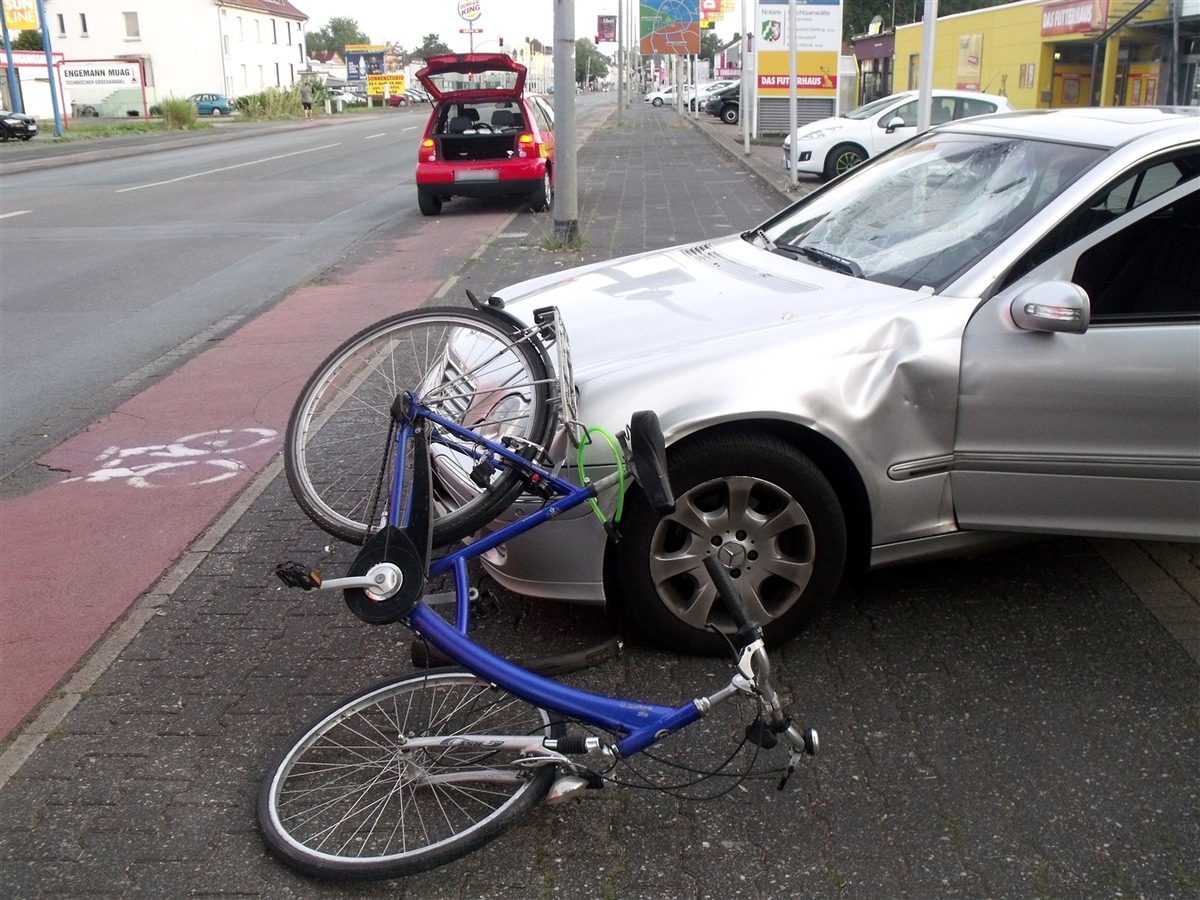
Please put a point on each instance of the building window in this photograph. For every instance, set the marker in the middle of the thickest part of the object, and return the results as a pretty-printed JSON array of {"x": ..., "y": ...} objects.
[
  {"x": 131, "y": 25},
  {"x": 225, "y": 41},
  {"x": 274, "y": 32},
  {"x": 62, "y": 25},
  {"x": 241, "y": 29},
  {"x": 83, "y": 24}
]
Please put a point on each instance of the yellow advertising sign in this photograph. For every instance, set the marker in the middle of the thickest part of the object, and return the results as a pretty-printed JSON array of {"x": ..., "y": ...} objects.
[
  {"x": 393, "y": 81},
  {"x": 21, "y": 15}
]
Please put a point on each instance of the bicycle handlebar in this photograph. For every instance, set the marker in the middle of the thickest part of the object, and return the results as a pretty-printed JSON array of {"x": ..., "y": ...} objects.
[{"x": 748, "y": 629}]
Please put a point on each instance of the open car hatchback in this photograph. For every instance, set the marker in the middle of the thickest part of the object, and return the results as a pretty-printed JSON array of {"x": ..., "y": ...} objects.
[{"x": 485, "y": 138}]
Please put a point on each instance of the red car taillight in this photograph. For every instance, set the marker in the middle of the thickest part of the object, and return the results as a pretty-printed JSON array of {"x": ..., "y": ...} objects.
[
  {"x": 428, "y": 151},
  {"x": 528, "y": 147}
]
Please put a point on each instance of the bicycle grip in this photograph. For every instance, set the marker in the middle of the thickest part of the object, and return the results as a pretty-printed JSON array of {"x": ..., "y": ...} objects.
[{"x": 747, "y": 628}]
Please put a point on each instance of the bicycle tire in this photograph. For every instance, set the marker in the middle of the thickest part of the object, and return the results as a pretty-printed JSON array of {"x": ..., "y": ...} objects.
[
  {"x": 478, "y": 368},
  {"x": 346, "y": 801}
]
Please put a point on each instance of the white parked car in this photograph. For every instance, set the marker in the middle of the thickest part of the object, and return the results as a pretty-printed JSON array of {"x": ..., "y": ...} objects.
[
  {"x": 705, "y": 91},
  {"x": 665, "y": 96},
  {"x": 829, "y": 147},
  {"x": 346, "y": 97}
]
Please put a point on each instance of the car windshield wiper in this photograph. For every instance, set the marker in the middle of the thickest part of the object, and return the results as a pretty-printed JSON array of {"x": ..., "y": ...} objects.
[
  {"x": 829, "y": 260},
  {"x": 759, "y": 235}
]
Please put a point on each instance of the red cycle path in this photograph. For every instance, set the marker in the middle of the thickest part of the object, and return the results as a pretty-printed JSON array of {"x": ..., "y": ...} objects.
[{"x": 77, "y": 554}]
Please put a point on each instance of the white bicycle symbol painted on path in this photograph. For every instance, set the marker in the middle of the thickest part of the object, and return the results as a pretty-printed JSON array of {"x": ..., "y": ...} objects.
[{"x": 202, "y": 458}]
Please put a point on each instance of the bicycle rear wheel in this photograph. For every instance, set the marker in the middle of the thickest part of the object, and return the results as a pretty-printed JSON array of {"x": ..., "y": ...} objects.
[
  {"x": 348, "y": 800},
  {"x": 473, "y": 367}
]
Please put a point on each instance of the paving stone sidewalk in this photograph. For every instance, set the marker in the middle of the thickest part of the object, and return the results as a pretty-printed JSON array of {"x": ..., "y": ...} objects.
[{"x": 1018, "y": 725}]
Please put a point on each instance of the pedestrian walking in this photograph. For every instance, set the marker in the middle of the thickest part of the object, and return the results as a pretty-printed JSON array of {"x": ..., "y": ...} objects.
[{"x": 306, "y": 99}]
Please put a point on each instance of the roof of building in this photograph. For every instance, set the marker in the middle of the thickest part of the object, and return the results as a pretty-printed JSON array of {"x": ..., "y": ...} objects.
[{"x": 282, "y": 8}]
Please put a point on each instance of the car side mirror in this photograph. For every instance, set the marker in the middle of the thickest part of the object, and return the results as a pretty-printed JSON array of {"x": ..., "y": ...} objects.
[
  {"x": 1052, "y": 306},
  {"x": 897, "y": 122}
]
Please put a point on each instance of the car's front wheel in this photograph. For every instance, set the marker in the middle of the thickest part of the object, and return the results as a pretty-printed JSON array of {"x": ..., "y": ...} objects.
[
  {"x": 657, "y": 101},
  {"x": 842, "y": 159},
  {"x": 428, "y": 204},
  {"x": 729, "y": 115},
  {"x": 214, "y": 111},
  {"x": 764, "y": 509}
]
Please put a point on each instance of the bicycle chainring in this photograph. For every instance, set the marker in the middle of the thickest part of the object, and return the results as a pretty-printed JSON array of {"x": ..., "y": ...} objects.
[{"x": 389, "y": 545}]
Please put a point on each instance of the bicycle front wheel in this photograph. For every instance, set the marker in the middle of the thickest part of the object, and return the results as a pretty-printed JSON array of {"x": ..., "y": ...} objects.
[
  {"x": 350, "y": 800},
  {"x": 473, "y": 367}
]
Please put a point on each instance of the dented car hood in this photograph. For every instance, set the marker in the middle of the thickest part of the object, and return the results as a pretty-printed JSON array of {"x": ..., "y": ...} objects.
[{"x": 722, "y": 330}]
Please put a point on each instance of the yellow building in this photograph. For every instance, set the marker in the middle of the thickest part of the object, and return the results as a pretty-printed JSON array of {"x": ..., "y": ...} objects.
[{"x": 1064, "y": 53}]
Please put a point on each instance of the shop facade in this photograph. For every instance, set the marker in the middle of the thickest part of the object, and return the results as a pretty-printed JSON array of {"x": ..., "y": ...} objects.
[{"x": 1064, "y": 53}]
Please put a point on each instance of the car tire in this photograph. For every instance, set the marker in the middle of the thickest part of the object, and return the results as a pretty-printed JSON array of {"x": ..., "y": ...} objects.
[
  {"x": 657, "y": 101},
  {"x": 729, "y": 115},
  {"x": 214, "y": 112},
  {"x": 843, "y": 158},
  {"x": 543, "y": 197},
  {"x": 428, "y": 204},
  {"x": 759, "y": 500}
]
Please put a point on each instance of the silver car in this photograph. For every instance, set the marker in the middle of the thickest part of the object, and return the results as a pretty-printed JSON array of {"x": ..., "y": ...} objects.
[{"x": 992, "y": 330}]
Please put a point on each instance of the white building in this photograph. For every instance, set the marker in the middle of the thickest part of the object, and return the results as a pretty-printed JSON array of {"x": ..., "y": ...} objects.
[{"x": 230, "y": 47}]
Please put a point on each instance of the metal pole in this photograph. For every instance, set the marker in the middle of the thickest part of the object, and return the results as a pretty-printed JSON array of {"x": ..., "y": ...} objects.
[
  {"x": 14, "y": 94},
  {"x": 793, "y": 149},
  {"x": 925, "y": 97},
  {"x": 58, "y": 123},
  {"x": 620, "y": 60},
  {"x": 566, "y": 168},
  {"x": 744, "y": 82}
]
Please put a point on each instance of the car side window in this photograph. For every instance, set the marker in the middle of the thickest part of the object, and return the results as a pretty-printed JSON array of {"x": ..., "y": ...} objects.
[
  {"x": 967, "y": 107},
  {"x": 1149, "y": 270},
  {"x": 907, "y": 112},
  {"x": 1114, "y": 201}
]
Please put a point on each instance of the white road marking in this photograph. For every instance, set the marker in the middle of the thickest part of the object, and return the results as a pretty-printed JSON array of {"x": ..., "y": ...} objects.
[
  {"x": 253, "y": 162},
  {"x": 17, "y": 212}
]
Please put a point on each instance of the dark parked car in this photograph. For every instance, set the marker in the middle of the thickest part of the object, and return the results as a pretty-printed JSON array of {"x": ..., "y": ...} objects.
[
  {"x": 725, "y": 104},
  {"x": 485, "y": 138},
  {"x": 16, "y": 126}
]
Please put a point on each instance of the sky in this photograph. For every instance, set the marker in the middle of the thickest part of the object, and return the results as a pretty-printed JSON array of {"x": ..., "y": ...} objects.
[{"x": 406, "y": 22}]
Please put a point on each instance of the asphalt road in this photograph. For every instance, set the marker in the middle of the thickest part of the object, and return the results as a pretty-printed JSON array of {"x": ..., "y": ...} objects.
[{"x": 115, "y": 270}]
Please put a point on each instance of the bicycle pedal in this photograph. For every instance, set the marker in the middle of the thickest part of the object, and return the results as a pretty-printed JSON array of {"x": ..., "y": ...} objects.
[{"x": 298, "y": 575}]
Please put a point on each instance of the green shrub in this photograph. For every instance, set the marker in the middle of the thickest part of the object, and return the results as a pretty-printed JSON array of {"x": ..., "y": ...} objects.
[
  {"x": 273, "y": 103},
  {"x": 177, "y": 113}
]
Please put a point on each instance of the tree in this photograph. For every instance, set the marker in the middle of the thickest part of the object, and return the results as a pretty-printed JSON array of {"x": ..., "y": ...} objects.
[
  {"x": 334, "y": 37},
  {"x": 28, "y": 40},
  {"x": 431, "y": 45},
  {"x": 709, "y": 45},
  {"x": 589, "y": 61}
]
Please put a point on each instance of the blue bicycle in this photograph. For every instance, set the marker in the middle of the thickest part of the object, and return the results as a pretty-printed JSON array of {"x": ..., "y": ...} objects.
[{"x": 423, "y": 769}]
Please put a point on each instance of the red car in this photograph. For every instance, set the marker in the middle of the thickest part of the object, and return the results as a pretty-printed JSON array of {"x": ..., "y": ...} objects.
[{"x": 484, "y": 137}]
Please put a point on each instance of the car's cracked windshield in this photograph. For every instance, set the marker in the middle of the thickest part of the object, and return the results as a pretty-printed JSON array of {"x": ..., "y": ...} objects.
[{"x": 921, "y": 215}]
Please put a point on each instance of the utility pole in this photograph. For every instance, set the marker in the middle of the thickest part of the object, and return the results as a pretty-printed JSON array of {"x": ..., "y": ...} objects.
[
  {"x": 566, "y": 163},
  {"x": 620, "y": 60}
]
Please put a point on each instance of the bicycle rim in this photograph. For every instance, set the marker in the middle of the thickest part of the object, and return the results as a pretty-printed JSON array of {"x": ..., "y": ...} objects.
[
  {"x": 348, "y": 801},
  {"x": 468, "y": 366}
]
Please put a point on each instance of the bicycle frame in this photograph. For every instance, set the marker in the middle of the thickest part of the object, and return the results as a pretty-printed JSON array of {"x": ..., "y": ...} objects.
[{"x": 641, "y": 723}]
